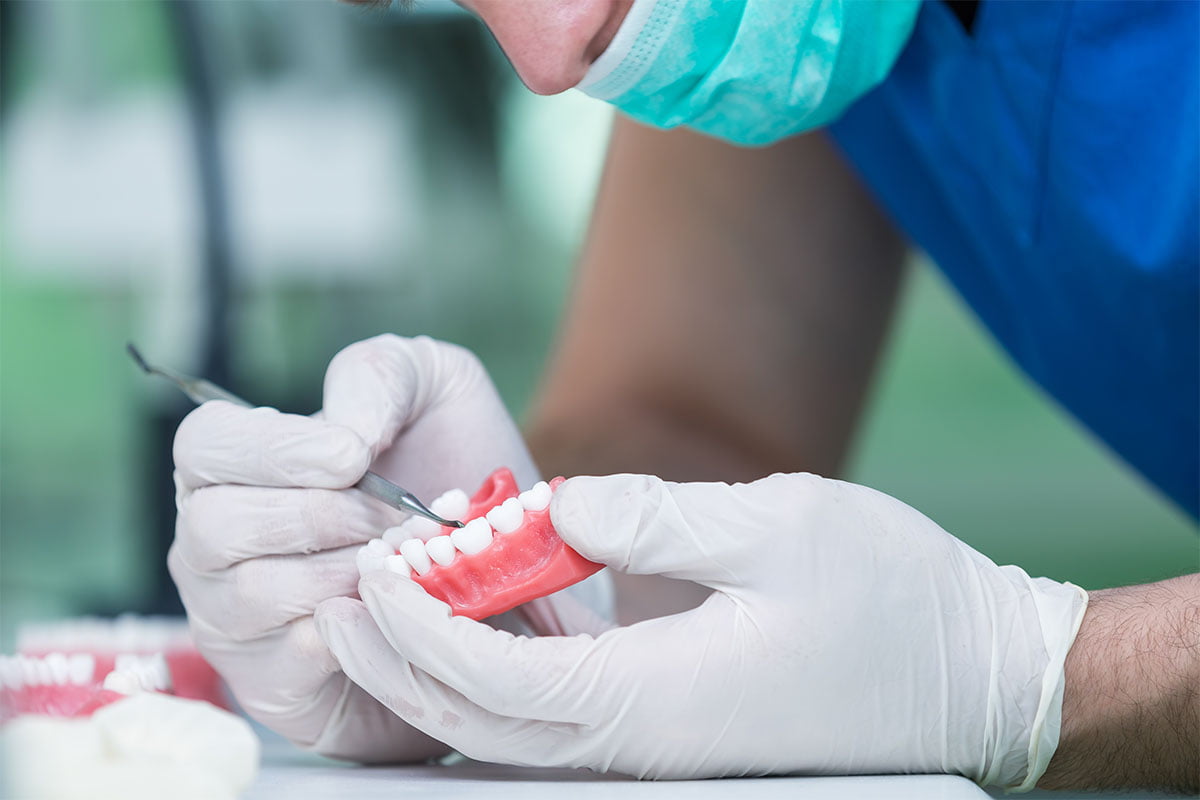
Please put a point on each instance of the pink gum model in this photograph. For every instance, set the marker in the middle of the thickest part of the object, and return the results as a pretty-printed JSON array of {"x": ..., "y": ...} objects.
[{"x": 515, "y": 568}]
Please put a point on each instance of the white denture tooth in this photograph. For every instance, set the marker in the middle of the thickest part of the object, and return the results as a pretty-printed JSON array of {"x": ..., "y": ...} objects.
[
  {"x": 536, "y": 497},
  {"x": 16, "y": 671},
  {"x": 80, "y": 668},
  {"x": 56, "y": 665},
  {"x": 473, "y": 537},
  {"x": 398, "y": 564},
  {"x": 397, "y": 534},
  {"x": 40, "y": 670},
  {"x": 453, "y": 504},
  {"x": 158, "y": 674},
  {"x": 415, "y": 554},
  {"x": 380, "y": 546},
  {"x": 11, "y": 676},
  {"x": 368, "y": 561},
  {"x": 507, "y": 516},
  {"x": 33, "y": 671},
  {"x": 441, "y": 550},
  {"x": 421, "y": 528},
  {"x": 122, "y": 681},
  {"x": 134, "y": 673}
]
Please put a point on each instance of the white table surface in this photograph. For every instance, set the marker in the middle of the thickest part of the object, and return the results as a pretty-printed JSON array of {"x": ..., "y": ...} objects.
[
  {"x": 313, "y": 781},
  {"x": 288, "y": 773}
]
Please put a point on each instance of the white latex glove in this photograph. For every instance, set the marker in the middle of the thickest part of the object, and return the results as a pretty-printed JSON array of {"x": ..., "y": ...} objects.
[
  {"x": 264, "y": 535},
  {"x": 847, "y": 634}
]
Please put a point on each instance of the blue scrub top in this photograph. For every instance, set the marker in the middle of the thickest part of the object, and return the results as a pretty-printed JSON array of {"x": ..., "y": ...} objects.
[{"x": 1048, "y": 161}]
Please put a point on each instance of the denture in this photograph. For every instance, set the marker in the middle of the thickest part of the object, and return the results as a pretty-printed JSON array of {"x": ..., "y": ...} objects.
[
  {"x": 105, "y": 641},
  {"x": 508, "y": 553},
  {"x": 66, "y": 733},
  {"x": 62, "y": 685}
]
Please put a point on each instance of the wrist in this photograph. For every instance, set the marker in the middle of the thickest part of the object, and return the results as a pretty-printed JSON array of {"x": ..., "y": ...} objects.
[{"x": 1131, "y": 704}]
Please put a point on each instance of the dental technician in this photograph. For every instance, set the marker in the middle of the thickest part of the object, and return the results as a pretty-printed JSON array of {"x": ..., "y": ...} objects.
[{"x": 730, "y": 306}]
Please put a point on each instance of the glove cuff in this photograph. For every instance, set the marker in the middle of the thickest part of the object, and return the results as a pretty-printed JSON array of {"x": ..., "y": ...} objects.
[{"x": 1061, "y": 607}]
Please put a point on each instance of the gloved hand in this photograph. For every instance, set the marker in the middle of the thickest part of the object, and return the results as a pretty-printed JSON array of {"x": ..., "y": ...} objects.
[
  {"x": 847, "y": 633},
  {"x": 263, "y": 533}
]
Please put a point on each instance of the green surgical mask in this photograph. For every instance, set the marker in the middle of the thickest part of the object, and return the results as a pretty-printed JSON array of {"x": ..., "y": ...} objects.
[{"x": 750, "y": 71}]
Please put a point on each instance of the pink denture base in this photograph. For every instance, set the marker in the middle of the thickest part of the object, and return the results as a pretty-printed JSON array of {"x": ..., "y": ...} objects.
[
  {"x": 65, "y": 700},
  {"x": 531, "y": 562}
]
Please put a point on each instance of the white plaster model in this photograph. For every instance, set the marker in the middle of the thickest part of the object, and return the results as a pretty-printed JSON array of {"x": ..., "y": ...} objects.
[{"x": 148, "y": 746}]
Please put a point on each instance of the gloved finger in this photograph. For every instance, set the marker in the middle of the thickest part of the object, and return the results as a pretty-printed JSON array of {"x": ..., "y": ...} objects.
[
  {"x": 300, "y": 661},
  {"x": 360, "y": 728},
  {"x": 547, "y": 678},
  {"x": 296, "y": 694},
  {"x": 378, "y": 386},
  {"x": 219, "y": 526},
  {"x": 305, "y": 695},
  {"x": 712, "y": 533},
  {"x": 426, "y": 703},
  {"x": 253, "y": 598},
  {"x": 440, "y": 397},
  {"x": 374, "y": 387},
  {"x": 220, "y": 442}
]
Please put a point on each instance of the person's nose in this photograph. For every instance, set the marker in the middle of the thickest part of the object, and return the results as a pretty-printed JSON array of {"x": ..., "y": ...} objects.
[{"x": 551, "y": 43}]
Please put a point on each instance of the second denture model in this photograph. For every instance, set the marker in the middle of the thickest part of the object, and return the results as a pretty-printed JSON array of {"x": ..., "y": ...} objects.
[{"x": 507, "y": 554}]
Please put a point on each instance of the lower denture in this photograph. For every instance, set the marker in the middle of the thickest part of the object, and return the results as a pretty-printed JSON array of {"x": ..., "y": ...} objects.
[
  {"x": 78, "y": 691},
  {"x": 67, "y": 700},
  {"x": 530, "y": 562},
  {"x": 192, "y": 677}
]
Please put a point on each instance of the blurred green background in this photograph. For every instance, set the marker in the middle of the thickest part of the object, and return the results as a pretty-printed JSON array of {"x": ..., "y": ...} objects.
[{"x": 386, "y": 172}]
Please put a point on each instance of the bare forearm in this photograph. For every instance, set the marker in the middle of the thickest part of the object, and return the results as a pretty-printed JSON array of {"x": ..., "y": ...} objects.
[
  {"x": 1131, "y": 707},
  {"x": 727, "y": 314}
]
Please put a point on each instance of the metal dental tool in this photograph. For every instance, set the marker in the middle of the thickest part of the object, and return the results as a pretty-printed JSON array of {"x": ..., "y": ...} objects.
[{"x": 200, "y": 390}]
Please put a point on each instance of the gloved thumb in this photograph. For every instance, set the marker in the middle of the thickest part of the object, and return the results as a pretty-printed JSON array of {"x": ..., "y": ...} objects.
[
  {"x": 710, "y": 533},
  {"x": 377, "y": 386}
]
